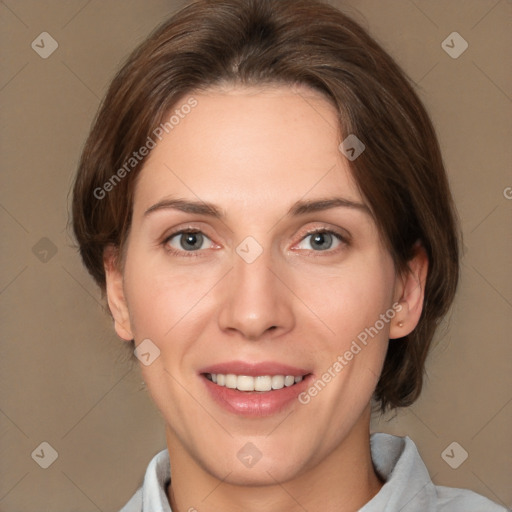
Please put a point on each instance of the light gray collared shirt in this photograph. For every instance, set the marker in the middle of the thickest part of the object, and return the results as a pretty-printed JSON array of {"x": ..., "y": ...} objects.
[{"x": 408, "y": 486}]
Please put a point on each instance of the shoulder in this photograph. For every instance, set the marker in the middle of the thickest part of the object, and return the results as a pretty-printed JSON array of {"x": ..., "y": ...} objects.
[
  {"x": 451, "y": 499},
  {"x": 135, "y": 503},
  {"x": 151, "y": 497},
  {"x": 408, "y": 486}
]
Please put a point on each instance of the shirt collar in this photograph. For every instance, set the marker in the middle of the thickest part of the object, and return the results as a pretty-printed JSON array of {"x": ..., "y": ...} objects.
[
  {"x": 158, "y": 475},
  {"x": 408, "y": 485}
]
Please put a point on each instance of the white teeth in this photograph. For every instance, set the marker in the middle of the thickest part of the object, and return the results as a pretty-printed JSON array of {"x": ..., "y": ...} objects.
[
  {"x": 289, "y": 380},
  {"x": 259, "y": 383},
  {"x": 244, "y": 383},
  {"x": 231, "y": 381},
  {"x": 263, "y": 383},
  {"x": 278, "y": 382}
]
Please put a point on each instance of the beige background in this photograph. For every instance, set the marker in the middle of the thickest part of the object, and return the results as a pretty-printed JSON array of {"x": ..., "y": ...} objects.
[{"x": 66, "y": 379}]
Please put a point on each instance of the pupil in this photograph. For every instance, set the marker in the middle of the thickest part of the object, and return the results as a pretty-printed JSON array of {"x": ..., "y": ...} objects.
[
  {"x": 322, "y": 241},
  {"x": 191, "y": 241}
]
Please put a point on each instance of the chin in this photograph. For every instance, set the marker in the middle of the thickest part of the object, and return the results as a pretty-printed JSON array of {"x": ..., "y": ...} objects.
[
  {"x": 249, "y": 466},
  {"x": 262, "y": 474}
]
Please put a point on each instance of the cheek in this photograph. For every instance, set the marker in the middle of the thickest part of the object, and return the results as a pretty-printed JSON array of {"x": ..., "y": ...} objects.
[
  {"x": 351, "y": 355},
  {"x": 162, "y": 299},
  {"x": 350, "y": 300}
]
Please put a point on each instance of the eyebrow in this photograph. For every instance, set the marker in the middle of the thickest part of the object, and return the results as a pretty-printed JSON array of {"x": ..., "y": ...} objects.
[{"x": 301, "y": 207}]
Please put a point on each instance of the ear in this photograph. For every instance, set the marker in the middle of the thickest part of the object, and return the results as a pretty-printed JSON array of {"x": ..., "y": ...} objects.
[
  {"x": 409, "y": 294},
  {"x": 115, "y": 293}
]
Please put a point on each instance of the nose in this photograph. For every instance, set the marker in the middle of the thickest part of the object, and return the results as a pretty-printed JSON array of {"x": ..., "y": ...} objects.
[{"x": 256, "y": 302}]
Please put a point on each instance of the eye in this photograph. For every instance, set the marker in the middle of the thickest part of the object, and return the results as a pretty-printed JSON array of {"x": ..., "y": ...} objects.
[
  {"x": 321, "y": 240},
  {"x": 187, "y": 240}
]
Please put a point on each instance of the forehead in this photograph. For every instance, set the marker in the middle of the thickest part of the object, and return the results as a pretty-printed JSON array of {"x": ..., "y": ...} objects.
[{"x": 242, "y": 146}]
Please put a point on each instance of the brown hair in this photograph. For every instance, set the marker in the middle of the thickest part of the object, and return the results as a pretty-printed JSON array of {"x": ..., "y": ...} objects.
[{"x": 252, "y": 42}]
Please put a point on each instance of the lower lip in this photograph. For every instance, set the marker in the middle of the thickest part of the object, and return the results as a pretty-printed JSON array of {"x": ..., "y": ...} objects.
[{"x": 256, "y": 403}]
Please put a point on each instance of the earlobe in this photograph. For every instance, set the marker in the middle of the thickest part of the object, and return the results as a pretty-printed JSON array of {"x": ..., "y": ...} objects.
[
  {"x": 115, "y": 294},
  {"x": 410, "y": 293}
]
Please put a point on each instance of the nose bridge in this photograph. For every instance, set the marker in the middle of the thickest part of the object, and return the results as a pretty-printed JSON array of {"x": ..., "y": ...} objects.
[
  {"x": 255, "y": 301},
  {"x": 255, "y": 280}
]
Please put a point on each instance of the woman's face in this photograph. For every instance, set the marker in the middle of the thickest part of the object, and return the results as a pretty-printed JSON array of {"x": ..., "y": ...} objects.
[{"x": 250, "y": 290}]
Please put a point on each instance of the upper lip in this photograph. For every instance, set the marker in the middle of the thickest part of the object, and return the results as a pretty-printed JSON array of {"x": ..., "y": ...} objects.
[{"x": 254, "y": 369}]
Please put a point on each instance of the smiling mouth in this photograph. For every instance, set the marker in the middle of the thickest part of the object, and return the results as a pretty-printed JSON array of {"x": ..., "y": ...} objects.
[{"x": 261, "y": 383}]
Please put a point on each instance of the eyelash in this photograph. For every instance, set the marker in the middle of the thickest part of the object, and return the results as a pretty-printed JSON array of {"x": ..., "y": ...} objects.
[{"x": 195, "y": 254}]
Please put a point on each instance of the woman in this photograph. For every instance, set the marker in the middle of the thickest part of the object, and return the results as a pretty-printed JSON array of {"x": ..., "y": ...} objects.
[{"x": 263, "y": 200}]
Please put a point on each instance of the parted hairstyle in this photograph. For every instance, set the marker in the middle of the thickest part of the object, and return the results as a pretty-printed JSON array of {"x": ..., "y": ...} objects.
[{"x": 400, "y": 174}]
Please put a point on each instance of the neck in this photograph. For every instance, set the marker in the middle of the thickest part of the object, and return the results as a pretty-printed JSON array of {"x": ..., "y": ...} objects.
[{"x": 342, "y": 482}]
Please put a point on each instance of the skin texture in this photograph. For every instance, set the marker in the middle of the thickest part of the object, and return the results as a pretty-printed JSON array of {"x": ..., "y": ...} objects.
[{"x": 254, "y": 152}]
